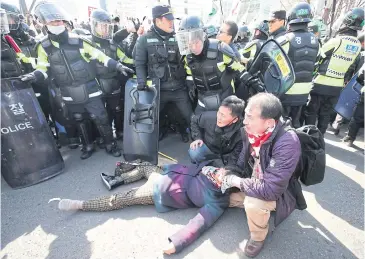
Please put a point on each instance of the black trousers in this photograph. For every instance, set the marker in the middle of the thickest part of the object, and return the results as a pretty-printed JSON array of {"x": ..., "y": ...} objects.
[
  {"x": 115, "y": 110},
  {"x": 95, "y": 110},
  {"x": 181, "y": 99},
  {"x": 357, "y": 121},
  {"x": 294, "y": 113},
  {"x": 320, "y": 106}
]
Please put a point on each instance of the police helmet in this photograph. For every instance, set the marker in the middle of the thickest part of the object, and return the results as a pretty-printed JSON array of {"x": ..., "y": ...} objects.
[
  {"x": 13, "y": 15},
  {"x": 354, "y": 19},
  {"x": 101, "y": 24},
  {"x": 243, "y": 34},
  {"x": 301, "y": 13}
]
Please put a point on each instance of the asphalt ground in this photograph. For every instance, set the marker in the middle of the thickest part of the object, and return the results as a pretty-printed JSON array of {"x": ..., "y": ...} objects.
[{"x": 331, "y": 227}]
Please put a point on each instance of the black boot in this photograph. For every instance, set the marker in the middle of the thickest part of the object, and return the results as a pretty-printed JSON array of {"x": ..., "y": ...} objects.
[
  {"x": 88, "y": 146},
  {"x": 118, "y": 123},
  {"x": 113, "y": 149},
  {"x": 111, "y": 146},
  {"x": 184, "y": 134},
  {"x": 73, "y": 143},
  {"x": 87, "y": 151},
  {"x": 125, "y": 167},
  {"x": 100, "y": 142},
  {"x": 111, "y": 182}
]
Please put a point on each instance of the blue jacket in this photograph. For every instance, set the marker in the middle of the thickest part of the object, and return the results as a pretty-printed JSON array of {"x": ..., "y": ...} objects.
[{"x": 181, "y": 187}]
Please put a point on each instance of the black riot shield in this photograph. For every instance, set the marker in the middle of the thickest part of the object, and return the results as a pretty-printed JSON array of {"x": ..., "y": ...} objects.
[
  {"x": 273, "y": 68},
  {"x": 29, "y": 154},
  {"x": 141, "y": 119},
  {"x": 349, "y": 98}
]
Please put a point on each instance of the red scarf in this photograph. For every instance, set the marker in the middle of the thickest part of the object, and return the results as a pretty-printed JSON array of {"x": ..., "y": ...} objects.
[{"x": 257, "y": 141}]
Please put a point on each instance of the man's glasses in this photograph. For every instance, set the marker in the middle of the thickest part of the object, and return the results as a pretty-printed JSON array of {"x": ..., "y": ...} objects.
[{"x": 223, "y": 32}]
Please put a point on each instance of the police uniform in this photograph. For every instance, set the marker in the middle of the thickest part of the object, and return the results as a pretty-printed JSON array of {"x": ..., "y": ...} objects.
[
  {"x": 156, "y": 55},
  {"x": 251, "y": 48},
  {"x": 338, "y": 55},
  {"x": 71, "y": 62},
  {"x": 212, "y": 74},
  {"x": 302, "y": 48}
]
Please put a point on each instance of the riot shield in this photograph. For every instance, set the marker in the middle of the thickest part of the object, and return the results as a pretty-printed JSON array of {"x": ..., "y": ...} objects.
[
  {"x": 141, "y": 122},
  {"x": 273, "y": 68},
  {"x": 29, "y": 154},
  {"x": 349, "y": 98}
]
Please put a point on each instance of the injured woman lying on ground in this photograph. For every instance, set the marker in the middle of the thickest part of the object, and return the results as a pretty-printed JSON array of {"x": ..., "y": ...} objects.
[{"x": 169, "y": 187}]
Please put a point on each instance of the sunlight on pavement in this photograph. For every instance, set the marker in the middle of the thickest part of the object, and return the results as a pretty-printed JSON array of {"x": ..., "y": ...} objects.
[{"x": 35, "y": 244}]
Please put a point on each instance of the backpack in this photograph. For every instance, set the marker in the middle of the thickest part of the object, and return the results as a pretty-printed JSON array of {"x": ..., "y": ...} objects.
[{"x": 312, "y": 163}]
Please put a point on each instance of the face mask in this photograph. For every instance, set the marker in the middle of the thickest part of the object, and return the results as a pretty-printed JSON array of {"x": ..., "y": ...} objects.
[{"x": 56, "y": 30}]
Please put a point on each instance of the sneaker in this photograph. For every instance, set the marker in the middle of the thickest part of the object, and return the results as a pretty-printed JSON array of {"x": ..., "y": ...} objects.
[{"x": 110, "y": 181}]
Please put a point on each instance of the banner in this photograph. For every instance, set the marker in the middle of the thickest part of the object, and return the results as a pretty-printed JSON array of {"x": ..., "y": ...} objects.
[{"x": 90, "y": 9}]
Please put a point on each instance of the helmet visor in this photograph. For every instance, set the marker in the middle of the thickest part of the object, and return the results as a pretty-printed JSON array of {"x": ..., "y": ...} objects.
[
  {"x": 4, "y": 24},
  {"x": 49, "y": 12},
  {"x": 190, "y": 42},
  {"x": 102, "y": 30},
  {"x": 13, "y": 21}
]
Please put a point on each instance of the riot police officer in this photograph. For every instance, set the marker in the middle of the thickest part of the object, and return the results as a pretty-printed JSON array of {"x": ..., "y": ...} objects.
[
  {"x": 243, "y": 37},
  {"x": 210, "y": 64},
  {"x": 102, "y": 34},
  {"x": 10, "y": 66},
  {"x": 338, "y": 58},
  {"x": 261, "y": 35},
  {"x": 302, "y": 48},
  {"x": 27, "y": 44},
  {"x": 70, "y": 61},
  {"x": 156, "y": 55}
]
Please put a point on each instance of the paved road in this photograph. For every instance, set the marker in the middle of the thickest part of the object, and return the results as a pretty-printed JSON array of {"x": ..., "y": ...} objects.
[{"x": 331, "y": 227}]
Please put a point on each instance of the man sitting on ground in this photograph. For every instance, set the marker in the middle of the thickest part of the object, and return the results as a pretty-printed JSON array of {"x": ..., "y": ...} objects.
[
  {"x": 271, "y": 167},
  {"x": 217, "y": 134}
]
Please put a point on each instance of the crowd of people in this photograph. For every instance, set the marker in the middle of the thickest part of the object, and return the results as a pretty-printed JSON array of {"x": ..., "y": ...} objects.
[{"x": 241, "y": 151}]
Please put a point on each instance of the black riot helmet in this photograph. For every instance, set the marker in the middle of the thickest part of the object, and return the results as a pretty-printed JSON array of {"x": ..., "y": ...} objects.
[
  {"x": 243, "y": 34},
  {"x": 13, "y": 15},
  {"x": 354, "y": 19},
  {"x": 261, "y": 31},
  {"x": 191, "y": 35},
  {"x": 47, "y": 12},
  {"x": 301, "y": 13},
  {"x": 101, "y": 24}
]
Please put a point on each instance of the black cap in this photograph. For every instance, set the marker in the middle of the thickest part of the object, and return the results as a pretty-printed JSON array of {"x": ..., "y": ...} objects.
[
  {"x": 280, "y": 14},
  {"x": 162, "y": 11}
]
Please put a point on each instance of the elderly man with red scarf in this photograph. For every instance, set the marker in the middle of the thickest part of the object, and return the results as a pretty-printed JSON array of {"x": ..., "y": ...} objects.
[{"x": 268, "y": 166}]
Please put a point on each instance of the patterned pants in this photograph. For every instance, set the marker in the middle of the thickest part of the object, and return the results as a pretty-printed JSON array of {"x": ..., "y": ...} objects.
[{"x": 137, "y": 196}]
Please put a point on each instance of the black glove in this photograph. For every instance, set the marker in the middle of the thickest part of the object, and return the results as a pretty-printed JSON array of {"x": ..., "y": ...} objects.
[
  {"x": 123, "y": 69},
  {"x": 141, "y": 87},
  {"x": 252, "y": 81},
  {"x": 31, "y": 78}
]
